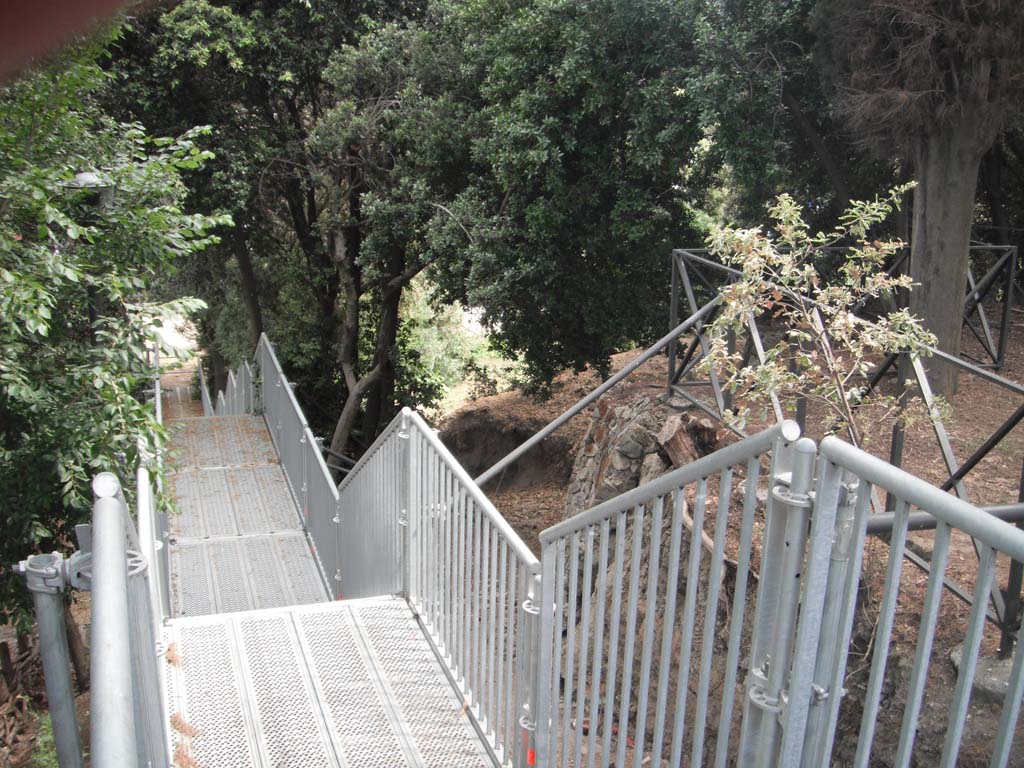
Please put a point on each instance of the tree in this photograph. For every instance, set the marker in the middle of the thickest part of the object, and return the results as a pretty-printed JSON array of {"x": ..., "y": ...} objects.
[
  {"x": 573, "y": 195},
  {"x": 78, "y": 259},
  {"x": 831, "y": 349},
  {"x": 766, "y": 109},
  {"x": 256, "y": 72},
  {"x": 935, "y": 81},
  {"x": 528, "y": 153}
]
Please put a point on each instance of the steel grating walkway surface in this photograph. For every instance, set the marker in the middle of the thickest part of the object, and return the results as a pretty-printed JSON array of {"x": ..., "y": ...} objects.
[
  {"x": 237, "y": 542},
  {"x": 351, "y": 684}
]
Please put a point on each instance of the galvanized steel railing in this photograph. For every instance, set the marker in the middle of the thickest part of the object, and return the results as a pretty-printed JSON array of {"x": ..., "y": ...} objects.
[
  {"x": 629, "y": 587},
  {"x": 639, "y": 639},
  {"x": 204, "y": 391},
  {"x": 299, "y": 452},
  {"x": 407, "y": 519},
  {"x": 842, "y": 464},
  {"x": 475, "y": 586},
  {"x": 238, "y": 396},
  {"x": 370, "y": 527}
]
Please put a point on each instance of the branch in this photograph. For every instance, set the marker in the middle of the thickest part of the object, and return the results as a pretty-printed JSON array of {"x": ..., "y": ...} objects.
[{"x": 456, "y": 220}]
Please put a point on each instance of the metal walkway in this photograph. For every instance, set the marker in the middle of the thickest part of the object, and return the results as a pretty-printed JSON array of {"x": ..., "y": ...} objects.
[
  {"x": 237, "y": 542},
  {"x": 262, "y": 669},
  {"x": 351, "y": 683},
  {"x": 456, "y": 646}
]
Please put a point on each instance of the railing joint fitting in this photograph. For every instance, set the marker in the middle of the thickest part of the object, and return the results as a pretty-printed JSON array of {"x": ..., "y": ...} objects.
[
  {"x": 44, "y": 573},
  {"x": 784, "y": 495},
  {"x": 819, "y": 693}
]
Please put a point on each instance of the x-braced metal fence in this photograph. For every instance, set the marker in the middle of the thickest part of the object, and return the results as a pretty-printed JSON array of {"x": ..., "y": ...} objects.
[{"x": 696, "y": 275}]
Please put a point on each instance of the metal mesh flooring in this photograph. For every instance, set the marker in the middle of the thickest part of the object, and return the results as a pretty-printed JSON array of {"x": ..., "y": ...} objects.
[
  {"x": 243, "y": 573},
  {"x": 220, "y": 441},
  {"x": 177, "y": 406},
  {"x": 232, "y": 502},
  {"x": 237, "y": 542},
  {"x": 351, "y": 684}
]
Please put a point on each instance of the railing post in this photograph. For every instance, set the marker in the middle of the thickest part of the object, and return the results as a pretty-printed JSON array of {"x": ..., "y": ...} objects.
[
  {"x": 673, "y": 322},
  {"x": 843, "y": 542},
  {"x": 404, "y": 526},
  {"x": 778, "y": 600},
  {"x": 528, "y": 670},
  {"x": 44, "y": 577},
  {"x": 150, "y": 718},
  {"x": 113, "y": 717},
  {"x": 337, "y": 549},
  {"x": 547, "y": 691},
  {"x": 303, "y": 453}
]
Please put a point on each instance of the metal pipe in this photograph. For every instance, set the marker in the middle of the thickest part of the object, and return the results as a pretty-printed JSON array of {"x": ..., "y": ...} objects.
[
  {"x": 1014, "y": 581},
  {"x": 45, "y": 580},
  {"x": 882, "y": 523},
  {"x": 720, "y": 459},
  {"x": 980, "y": 372},
  {"x": 793, "y": 505},
  {"x": 951, "y": 510},
  {"x": 994, "y": 439},
  {"x": 113, "y": 718},
  {"x": 692, "y": 320},
  {"x": 1004, "y": 323}
]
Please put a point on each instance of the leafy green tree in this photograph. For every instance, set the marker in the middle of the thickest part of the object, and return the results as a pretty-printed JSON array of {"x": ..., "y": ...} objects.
[
  {"x": 766, "y": 104},
  {"x": 255, "y": 72},
  {"x": 78, "y": 257},
  {"x": 583, "y": 129},
  {"x": 528, "y": 153}
]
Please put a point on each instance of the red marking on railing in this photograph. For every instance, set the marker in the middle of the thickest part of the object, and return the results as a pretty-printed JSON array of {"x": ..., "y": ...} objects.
[{"x": 531, "y": 757}]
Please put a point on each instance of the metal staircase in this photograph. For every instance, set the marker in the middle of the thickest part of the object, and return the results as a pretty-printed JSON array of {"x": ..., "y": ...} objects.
[{"x": 397, "y": 619}]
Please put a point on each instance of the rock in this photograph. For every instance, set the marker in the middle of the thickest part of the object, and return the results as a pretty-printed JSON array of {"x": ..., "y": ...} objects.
[
  {"x": 653, "y": 466},
  {"x": 991, "y": 676},
  {"x": 676, "y": 440}
]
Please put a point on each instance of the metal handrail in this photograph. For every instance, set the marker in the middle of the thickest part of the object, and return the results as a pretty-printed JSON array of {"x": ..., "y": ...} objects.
[
  {"x": 470, "y": 487},
  {"x": 280, "y": 372},
  {"x": 113, "y": 716},
  {"x": 715, "y": 462},
  {"x": 943, "y": 506},
  {"x": 650, "y": 352}
]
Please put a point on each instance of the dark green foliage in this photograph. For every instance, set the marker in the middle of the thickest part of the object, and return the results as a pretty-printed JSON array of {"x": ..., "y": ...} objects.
[
  {"x": 537, "y": 152},
  {"x": 76, "y": 266}
]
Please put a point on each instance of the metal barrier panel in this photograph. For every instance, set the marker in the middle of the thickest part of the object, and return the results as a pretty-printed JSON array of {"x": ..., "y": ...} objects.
[
  {"x": 322, "y": 519},
  {"x": 471, "y": 578},
  {"x": 305, "y": 470},
  {"x": 369, "y": 534},
  {"x": 862, "y": 474},
  {"x": 644, "y": 616},
  {"x": 245, "y": 389}
]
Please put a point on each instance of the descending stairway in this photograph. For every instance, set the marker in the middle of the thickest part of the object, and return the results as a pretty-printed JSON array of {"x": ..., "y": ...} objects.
[
  {"x": 237, "y": 542},
  {"x": 263, "y": 669}
]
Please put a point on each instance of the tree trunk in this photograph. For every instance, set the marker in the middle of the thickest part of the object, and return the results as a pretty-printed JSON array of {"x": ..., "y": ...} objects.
[
  {"x": 993, "y": 181},
  {"x": 946, "y": 166},
  {"x": 379, "y": 396},
  {"x": 840, "y": 185},
  {"x": 77, "y": 649},
  {"x": 250, "y": 293},
  {"x": 347, "y": 419},
  {"x": 220, "y": 372}
]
